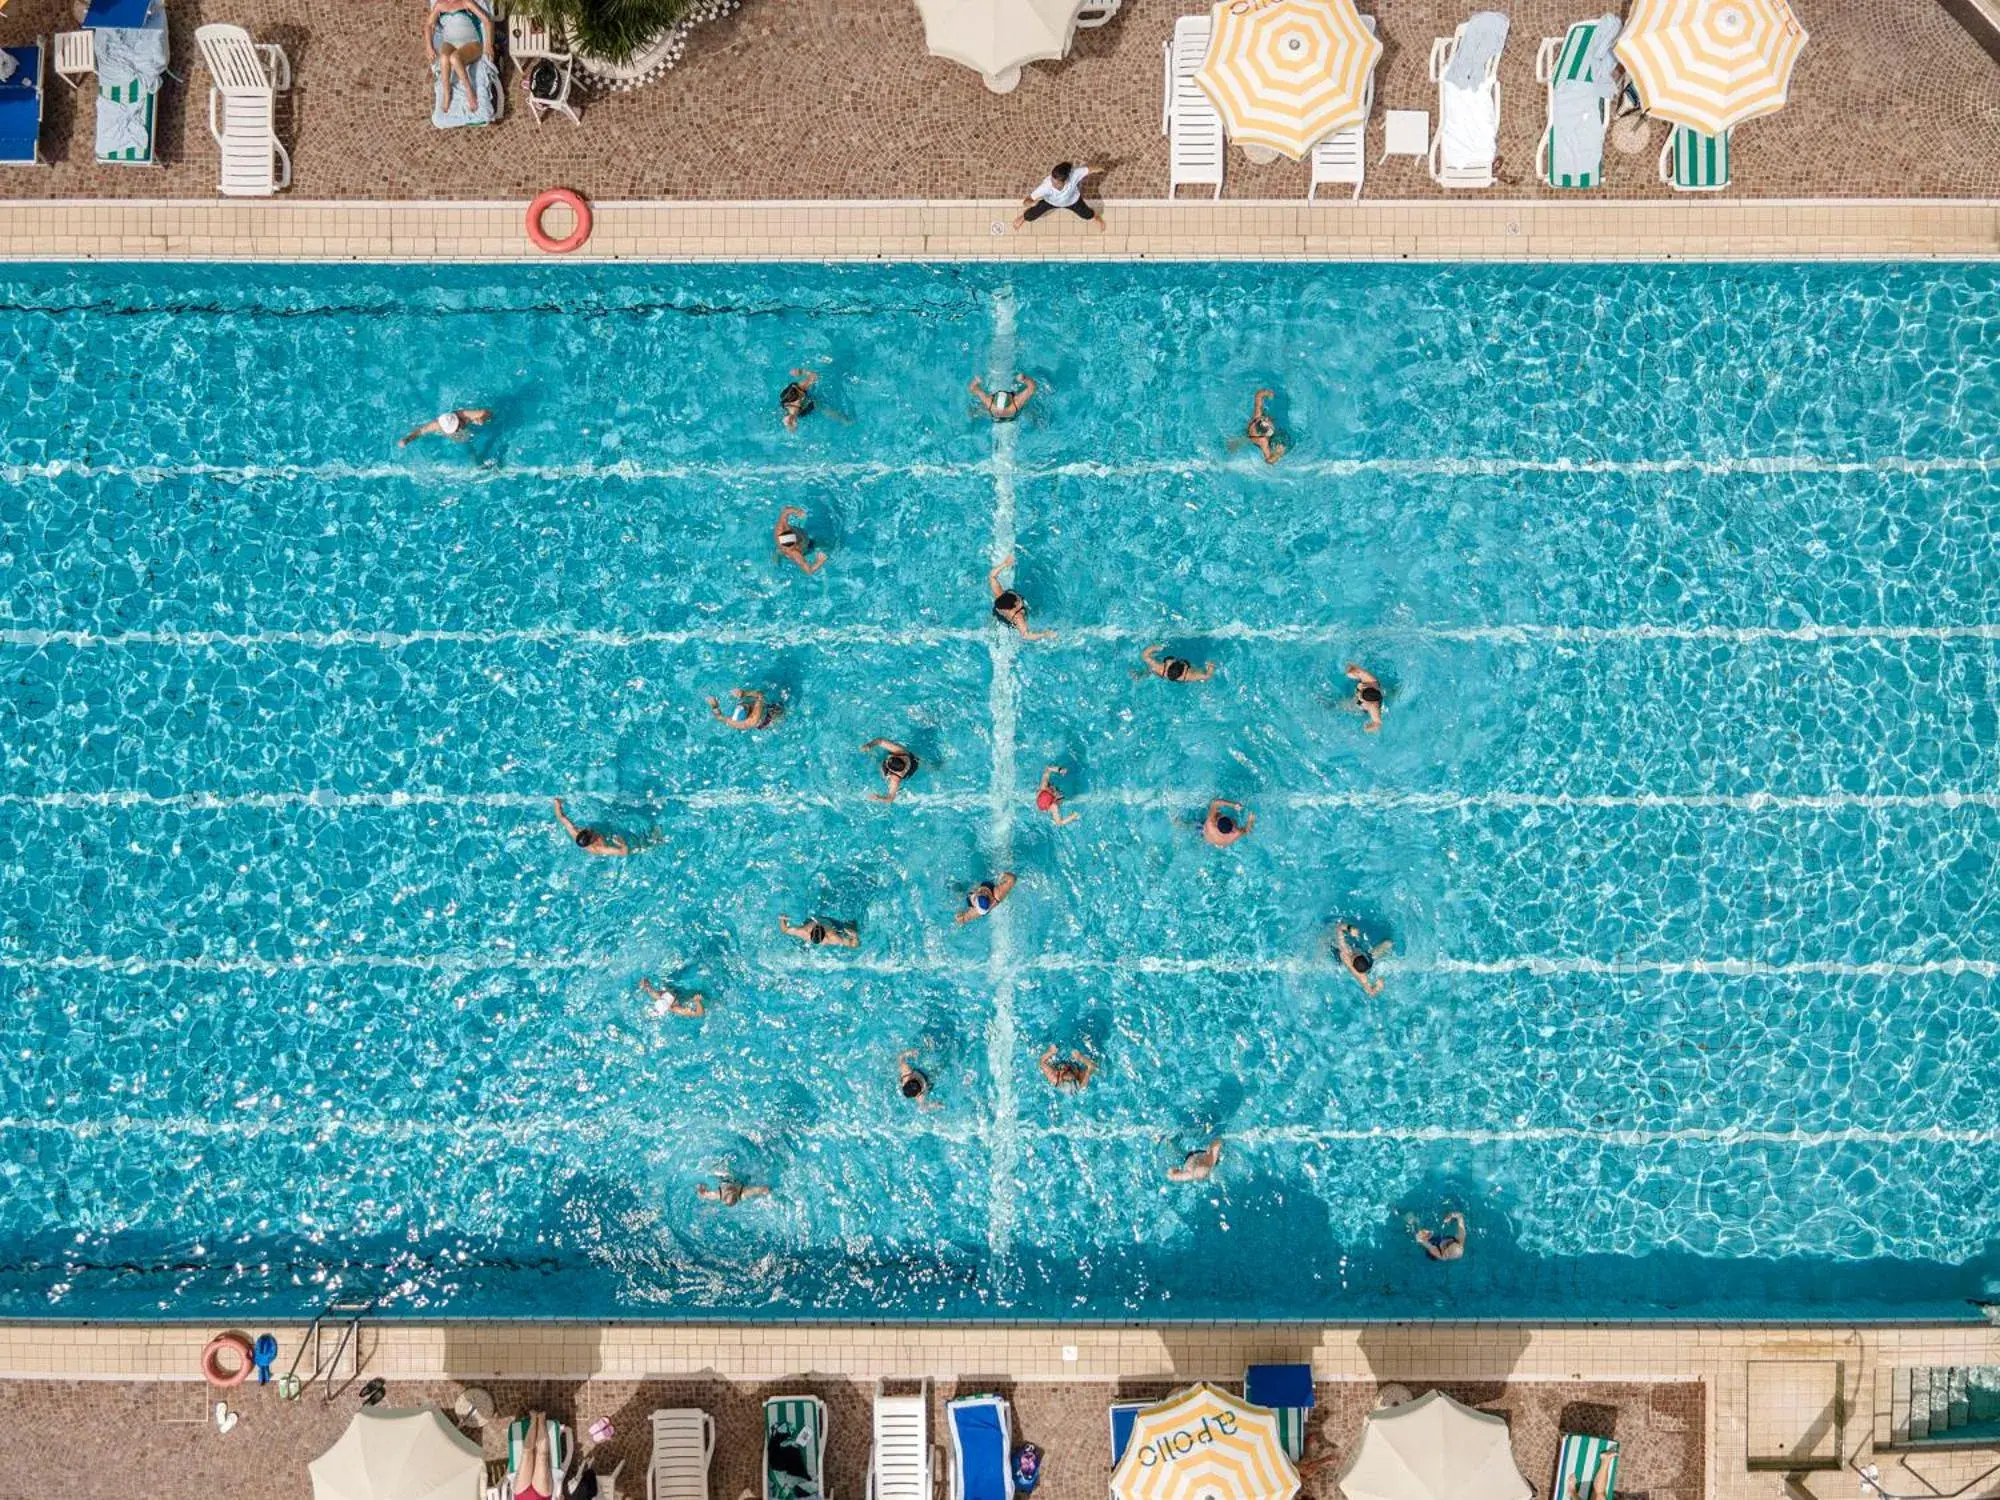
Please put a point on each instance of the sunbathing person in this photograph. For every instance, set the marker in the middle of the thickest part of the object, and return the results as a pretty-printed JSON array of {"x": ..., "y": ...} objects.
[
  {"x": 1004, "y": 405},
  {"x": 1367, "y": 696},
  {"x": 667, "y": 1002},
  {"x": 1223, "y": 828},
  {"x": 1359, "y": 961},
  {"x": 1263, "y": 431},
  {"x": 898, "y": 766},
  {"x": 750, "y": 710},
  {"x": 1173, "y": 668},
  {"x": 535, "y": 1472},
  {"x": 815, "y": 933},
  {"x": 1067, "y": 1076},
  {"x": 1198, "y": 1164},
  {"x": 795, "y": 400},
  {"x": 1048, "y": 798},
  {"x": 728, "y": 1191},
  {"x": 793, "y": 543},
  {"x": 1444, "y": 1246},
  {"x": 455, "y": 425},
  {"x": 1009, "y": 608},
  {"x": 455, "y": 35},
  {"x": 982, "y": 898},
  {"x": 589, "y": 840}
]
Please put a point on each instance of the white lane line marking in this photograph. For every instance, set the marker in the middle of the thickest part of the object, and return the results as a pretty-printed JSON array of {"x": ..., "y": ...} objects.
[
  {"x": 776, "y": 637},
  {"x": 1003, "y": 713},
  {"x": 1014, "y": 965},
  {"x": 1414, "y": 466},
  {"x": 1137, "y": 799}
]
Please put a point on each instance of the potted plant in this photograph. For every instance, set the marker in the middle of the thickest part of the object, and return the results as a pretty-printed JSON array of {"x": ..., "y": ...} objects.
[{"x": 625, "y": 42}]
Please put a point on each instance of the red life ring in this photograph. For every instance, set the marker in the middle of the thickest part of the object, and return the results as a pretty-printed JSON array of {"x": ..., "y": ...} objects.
[
  {"x": 213, "y": 1368},
  {"x": 542, "y": 204}
]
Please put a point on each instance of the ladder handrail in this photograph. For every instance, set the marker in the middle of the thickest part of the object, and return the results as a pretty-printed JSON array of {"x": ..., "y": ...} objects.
[{"x": 349, "y": 1311}]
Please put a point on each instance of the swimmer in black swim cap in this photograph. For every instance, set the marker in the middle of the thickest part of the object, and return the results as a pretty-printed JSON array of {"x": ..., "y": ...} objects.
[
  {"x": 1173, "y": 668},
  {"x": 898, "y": 766},
  {"x": 1010, "y": 608},
  {"x": 1367, "y": 696},
  {"x": 816, "y": 933}
]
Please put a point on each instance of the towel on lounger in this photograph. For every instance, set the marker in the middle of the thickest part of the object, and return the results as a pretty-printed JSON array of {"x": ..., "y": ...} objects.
[
  {"x": 1579, "y": 104},
  {"x": 1479, "y": 42}
]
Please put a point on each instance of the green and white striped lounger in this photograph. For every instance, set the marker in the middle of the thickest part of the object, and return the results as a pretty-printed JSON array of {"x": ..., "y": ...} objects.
[
  {"x": 794, "y": 1448},
  {"x": 134, "y": 98},
  {"x": 1691, "y": 162},
  {"x": 1569, "y": 65},
  {"x": 1577, "y": 1467},
  {"x": 561, "y": 1446}
]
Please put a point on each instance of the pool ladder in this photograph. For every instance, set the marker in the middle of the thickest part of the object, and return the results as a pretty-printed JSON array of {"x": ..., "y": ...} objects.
[{"x": 346, "y": 1313}]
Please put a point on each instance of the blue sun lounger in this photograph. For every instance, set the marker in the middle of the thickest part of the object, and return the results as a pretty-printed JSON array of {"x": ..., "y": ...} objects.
[
  {"x": 1288, "y": 1391},
  {"x": 982, "y": 1447},
  {"x": 21, "y": 108},
  {"x": 1123, "y": 1415}
]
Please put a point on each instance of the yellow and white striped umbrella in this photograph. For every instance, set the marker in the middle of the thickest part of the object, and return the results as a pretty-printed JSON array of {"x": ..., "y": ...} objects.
[
  {"x": 1711, "y": 64},
  {"x": 1287, "y": 73},
  {"x": 1205, "y": 1444}
]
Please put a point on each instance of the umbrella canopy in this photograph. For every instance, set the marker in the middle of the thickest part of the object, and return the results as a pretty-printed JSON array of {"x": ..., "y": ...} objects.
[
  {"x": 1288, "y": 73},
  {"x": 997, "y": 36},
  {"x": 1205, "y": 1444},
  {"x": 400, "y": 1455},
  {"x": 1433, "y": 1449},
  {"x": 1711, "y": 64}
]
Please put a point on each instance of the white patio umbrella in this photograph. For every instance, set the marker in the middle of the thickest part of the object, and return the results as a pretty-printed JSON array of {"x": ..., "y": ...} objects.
[
  {"x": 400, "y": 1455},
  {"x": 1711, "y": 64},
  {"x": 1433, "y": 1449},
  {"x": 995, "y": 37}
]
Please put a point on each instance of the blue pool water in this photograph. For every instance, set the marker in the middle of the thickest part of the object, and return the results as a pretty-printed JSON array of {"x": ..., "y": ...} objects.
[{"x": 1685, "y": 583}]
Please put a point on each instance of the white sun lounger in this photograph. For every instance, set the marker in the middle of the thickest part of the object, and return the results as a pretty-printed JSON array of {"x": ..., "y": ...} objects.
[
  {"x": 900, "y": 1467},
  {"x": 1343, "y": 156},
  {"x": 246, "y": 80},
  {"x": 1188, "y": 119},
  {"x": 683, "y": 1444},
  {"x": 1467, "y": 143}
]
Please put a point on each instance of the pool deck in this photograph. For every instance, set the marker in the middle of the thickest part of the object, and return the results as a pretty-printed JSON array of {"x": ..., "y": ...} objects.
[{"x": 1793, "y": 1396}]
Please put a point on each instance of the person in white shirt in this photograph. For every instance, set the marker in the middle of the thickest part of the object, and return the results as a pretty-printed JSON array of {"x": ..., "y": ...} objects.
[{"x": 1062, "y": 188}]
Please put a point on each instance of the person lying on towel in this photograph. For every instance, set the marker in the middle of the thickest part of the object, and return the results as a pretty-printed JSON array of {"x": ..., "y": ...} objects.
[{"x": 455, "y": 35}]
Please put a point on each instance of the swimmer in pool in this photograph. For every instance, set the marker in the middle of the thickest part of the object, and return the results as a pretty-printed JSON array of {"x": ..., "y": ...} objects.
[
  {"x": 1367, "y": 696},
  {"x": 1226, "y": 822},
  {"x": 589, "y": 840},
  {"x": 815, "y": 933},
  {"x": 982, "y": 898},
  {"x": 1004, "y": 405},
  {"x": 667, "y": 1002},
  {"x": 728, "y": 1191},
  {"x": 1049, "y": 799},
  {"x": 1263, "y": 431},
  {"x": 456, "y": 425},
  {"x": 1173, "y": 668},
  {"x": 913, "y": 1083},
  {"x": 1009, "y": 608},
  {"x": 792, "y": 541},
  {"x": 795, "y": 400},
  {"x": 1442, "y": 1246},
  {"x": 1067, "y": 1076},
  {"x": 750, "y": 710},
  {"x": 898, "y": 766},
  {"x": 1198, "y": 1164},
  {"x": 1357, "y": 960}
]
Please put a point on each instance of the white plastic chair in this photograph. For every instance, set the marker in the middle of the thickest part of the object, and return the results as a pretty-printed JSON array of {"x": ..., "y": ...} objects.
[
  {"x": 76, "y": 56},
  {"x": 683, "y": 1444},
  {"x": 901, "y": 1464},
  {"x": 1343, "y": 156},
  {"x": 1457, "y": 108},
  {"x": 1188, "y": 119},
  {"x": 242, "y": 108},
  {"x": 1097, "y": 12}
]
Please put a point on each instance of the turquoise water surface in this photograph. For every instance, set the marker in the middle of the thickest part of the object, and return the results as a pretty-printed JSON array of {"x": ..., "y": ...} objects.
[{"x": 1684, "y": 584}]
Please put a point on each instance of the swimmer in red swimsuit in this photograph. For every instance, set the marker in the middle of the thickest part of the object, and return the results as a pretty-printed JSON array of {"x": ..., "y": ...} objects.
[{"x": 1049, "y": 800}]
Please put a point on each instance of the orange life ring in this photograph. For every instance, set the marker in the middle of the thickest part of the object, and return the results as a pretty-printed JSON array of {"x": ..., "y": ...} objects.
[
  {"x": 542, "y": 204},
  {"x": 211, "y": 1362}
]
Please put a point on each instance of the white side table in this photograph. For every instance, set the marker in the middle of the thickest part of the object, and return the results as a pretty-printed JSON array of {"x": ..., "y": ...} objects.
[
  {"x": 76, "y": 56},
  {"x": 1406, "y": 132}
]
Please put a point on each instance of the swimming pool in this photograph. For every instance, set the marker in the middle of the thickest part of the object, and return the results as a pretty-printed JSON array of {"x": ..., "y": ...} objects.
[{"x": 1684, "y": 583}]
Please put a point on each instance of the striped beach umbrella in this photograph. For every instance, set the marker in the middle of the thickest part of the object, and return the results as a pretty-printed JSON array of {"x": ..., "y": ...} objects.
[
  {"x": 1287, "y": 73},
  {"x": 1711, "y": 64},
  {"x": 1205, "y": 1444}
]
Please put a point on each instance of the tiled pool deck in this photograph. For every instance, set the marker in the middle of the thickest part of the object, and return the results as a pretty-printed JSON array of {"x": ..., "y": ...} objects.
[{"x": 1810, "y": 1395}]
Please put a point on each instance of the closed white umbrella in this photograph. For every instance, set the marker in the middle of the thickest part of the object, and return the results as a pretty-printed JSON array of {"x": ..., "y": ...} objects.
[
  {"x": 400, "y": 1455},
  {"x": 1433, "y": 1448},
  {"x": 995, "y": 37}
]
